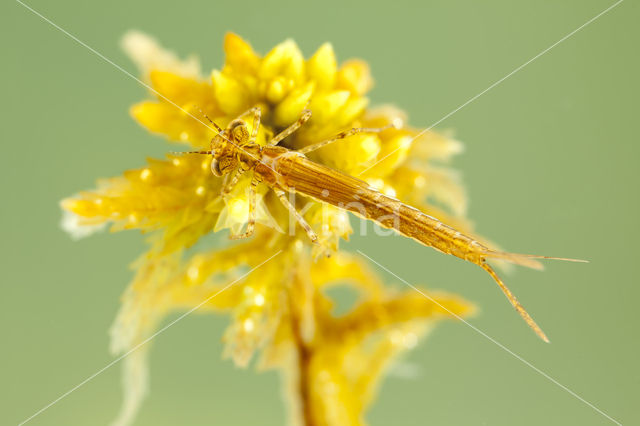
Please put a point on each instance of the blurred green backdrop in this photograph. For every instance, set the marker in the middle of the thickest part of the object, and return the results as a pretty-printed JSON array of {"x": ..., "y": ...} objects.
[{"x": 550, "y": 166}]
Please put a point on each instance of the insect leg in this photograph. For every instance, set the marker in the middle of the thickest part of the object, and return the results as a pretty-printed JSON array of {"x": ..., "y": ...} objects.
[
  {"x": 257, "y": 114},
  {"x": 343, "y": 135},
  {"x": 252, "y": 211},
  {"x": 306, "y": 115},
  {"x": 231, "y": 183},
  {"x": 285, "y": 201}
]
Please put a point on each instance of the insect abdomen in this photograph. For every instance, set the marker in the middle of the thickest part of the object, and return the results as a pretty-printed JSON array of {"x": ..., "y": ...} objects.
[{"x": 421, "y": 227}]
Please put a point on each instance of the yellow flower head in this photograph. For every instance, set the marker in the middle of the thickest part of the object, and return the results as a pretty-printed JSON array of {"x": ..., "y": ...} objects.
[
  {"x": 180, "y": 196},
  {"x": 283, "y": 309}
]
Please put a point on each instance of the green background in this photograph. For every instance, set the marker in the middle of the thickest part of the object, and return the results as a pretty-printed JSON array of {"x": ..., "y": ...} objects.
[{"x": 550, "y": 167}]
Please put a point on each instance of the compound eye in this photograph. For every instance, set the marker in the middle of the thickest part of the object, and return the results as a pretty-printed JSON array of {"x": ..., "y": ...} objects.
[
  {"x": 215, "y": 167},
  {"x": 241, "y": 133}
]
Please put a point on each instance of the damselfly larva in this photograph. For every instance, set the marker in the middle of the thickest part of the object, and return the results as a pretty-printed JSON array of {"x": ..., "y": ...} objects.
[{"x": 286, "y": 171}]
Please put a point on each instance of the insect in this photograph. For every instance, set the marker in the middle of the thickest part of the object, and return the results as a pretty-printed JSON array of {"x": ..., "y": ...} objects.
[{"x": 286, "y": 171}]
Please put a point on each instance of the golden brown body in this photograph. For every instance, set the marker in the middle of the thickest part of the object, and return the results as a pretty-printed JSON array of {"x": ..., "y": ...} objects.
[
  {"x": 291, "y": 171},
  {"x": 287, "y": 171}
]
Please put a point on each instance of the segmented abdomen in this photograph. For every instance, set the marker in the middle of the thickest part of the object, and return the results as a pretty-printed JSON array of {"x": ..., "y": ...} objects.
[{"x": 298, "y": 173}]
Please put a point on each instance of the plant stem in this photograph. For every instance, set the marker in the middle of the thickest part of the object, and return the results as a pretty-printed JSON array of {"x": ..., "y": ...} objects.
[
  {"x": 304, "y": 358},
  {"x": 297, "y": 295}
]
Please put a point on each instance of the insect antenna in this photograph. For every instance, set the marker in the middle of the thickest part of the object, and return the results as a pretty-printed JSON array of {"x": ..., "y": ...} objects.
[
  {"x": 208, "y": 119},
  {"x": 221, "y": 134},
  {"x": 190, "y": 152},
  {"x": 218, "y": 129}
]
